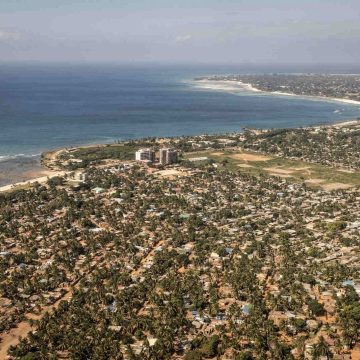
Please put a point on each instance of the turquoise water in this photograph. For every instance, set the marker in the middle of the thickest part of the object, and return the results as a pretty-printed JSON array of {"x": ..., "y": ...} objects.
[{"x": 44, "y": 107}]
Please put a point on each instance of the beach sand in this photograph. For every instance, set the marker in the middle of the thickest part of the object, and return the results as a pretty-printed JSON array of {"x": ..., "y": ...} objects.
[
  {"x": 20, "y": 169},
  {"x": 346, "y": 123},
  {"x": 225, "y": 85},
  {"x": 232, "y": 85},
  {"x": 40, "y": 179},
  {"x": 23, "y": 171}
]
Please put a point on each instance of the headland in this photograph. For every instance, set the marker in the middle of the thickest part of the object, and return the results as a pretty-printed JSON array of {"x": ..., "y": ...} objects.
[{"x": 339, "y": 88}]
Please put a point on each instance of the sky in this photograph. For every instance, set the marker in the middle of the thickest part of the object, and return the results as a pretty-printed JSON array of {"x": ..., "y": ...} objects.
[{"x": 181, "y": 31}]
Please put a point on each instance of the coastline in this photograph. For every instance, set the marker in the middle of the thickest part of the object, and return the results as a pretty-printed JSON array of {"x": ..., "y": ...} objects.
[
  {"x": 22, "y": 170},
  {"x": 38, "y": 179},
  {"x": 344, "y": 123},
  {"x": 44, "y": 173},
  {"x": 26, "y": 170},
  {"x": 19, "y": 169},
  {"x": 231, "y": 85}
]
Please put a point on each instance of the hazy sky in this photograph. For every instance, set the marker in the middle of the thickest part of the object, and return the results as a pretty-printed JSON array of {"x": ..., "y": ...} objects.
[{"x": 227, "y": 31}]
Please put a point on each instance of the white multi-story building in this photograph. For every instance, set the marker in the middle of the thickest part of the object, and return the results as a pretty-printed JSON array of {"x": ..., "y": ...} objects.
[
  {"x": 147, "y": 155},
  {"x": 168, "y": 156}
]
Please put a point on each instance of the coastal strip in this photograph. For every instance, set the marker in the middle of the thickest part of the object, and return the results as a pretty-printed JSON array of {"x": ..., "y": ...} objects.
[
  {"x": 240, "y": 86},
  {"x": 28, "y": 183},
  {"x": 225, "y": 85},
  {"x": 51, "y": 160}
]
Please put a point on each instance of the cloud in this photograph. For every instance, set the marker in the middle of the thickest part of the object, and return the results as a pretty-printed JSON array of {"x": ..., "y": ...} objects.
[
  {"x": 311, "y": 29},
  {"x": 183, "y": 38},
  {"x": 6, "y": 35}
]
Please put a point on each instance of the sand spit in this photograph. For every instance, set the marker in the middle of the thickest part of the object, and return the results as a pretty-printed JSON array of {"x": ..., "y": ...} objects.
[{"x": 232, "y": 85}]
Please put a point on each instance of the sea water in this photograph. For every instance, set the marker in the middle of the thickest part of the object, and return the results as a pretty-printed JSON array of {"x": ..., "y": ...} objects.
[{"x": 50, "y": 106}]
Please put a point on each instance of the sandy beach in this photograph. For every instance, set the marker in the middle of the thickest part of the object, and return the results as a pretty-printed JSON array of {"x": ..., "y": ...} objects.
[
  {"x": 324, "y": 98},
  {"x": 46, "y": 174},
  {"x": 231, "y": 86},
  {"x": 41, "y": 175},
  {"x": 225, "y": 85},
  {"x": 346, "y": 123}
]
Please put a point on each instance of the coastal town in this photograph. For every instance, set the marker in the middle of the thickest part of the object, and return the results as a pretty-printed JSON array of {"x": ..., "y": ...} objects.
[
  {"x": 177, "y": 249},
  {"x": 179, "y": 180},
  {"x": 344, "y": 87}
]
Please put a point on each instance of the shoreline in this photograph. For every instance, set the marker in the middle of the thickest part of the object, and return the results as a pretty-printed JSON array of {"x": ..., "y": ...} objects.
[
  {"x": 37, "y": 179},
  {"x": 344, "y": 123},
  {"x": 45, "y": 173},
  {"x": 224, "y": 86}
]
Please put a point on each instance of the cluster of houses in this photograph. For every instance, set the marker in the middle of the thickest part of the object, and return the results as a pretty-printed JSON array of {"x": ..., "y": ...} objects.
[
  {"x": 335, "y": 146},
  {"x": 195, "y": 256},
  {"x": 234, "y": 217}
]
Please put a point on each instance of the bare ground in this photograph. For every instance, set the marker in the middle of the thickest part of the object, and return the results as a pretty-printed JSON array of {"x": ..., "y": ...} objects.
[
  {"x": 279, "y": 171},
  {"x": 245, "y": 166},
  {"x": 280, "y": 175},
  {"x": 336, "y": 186},
  {"x": 170, "y": 172},
  {"x": 249, "y": 157},
  {"x": 314, "y": 181}
]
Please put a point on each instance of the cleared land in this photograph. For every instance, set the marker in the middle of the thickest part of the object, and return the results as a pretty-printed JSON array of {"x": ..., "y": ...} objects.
[
  {"x": 244, "y": 156},
  {"x": 170, "y": 173},
  {"x": 314, "y": 175}
]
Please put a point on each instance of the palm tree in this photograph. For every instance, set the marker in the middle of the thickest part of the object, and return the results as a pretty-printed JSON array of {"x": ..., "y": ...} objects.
[{"x": 322, "y": 348}]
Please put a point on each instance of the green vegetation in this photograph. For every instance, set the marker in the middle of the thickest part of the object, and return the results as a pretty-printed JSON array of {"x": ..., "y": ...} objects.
[
  {"x": 330, "y": 146},
  {"x": 210, "y": 263},
  {"x": 315, "y": 175},
  {"x": 96, "y": 154},
  {"x": 349, "y": 316}
]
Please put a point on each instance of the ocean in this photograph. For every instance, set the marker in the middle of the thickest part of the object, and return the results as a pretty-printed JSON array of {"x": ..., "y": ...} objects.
[{"x": 49, "y": 106}]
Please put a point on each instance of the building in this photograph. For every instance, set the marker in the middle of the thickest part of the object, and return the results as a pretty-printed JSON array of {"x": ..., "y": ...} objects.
[
  {"x": 81, "y": 176},
  {"x": 78, "y": 176},
  {"x": 163, "y": 156},
  {"x": 168, "y": 156},
  {"x": 147, "y": 155}
]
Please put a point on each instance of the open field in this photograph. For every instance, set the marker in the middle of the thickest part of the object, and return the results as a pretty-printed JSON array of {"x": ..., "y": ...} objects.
[
  {"x": 244, "y": 156},
  {"x": 314, "y": 175},
  {"x": 170, "y": 173}
]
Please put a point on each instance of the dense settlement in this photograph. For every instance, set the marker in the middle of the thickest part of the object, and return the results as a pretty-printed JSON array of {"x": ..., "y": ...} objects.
[
  {"x": 339, "y": 86},
  {"x": 163, "y": 249}
]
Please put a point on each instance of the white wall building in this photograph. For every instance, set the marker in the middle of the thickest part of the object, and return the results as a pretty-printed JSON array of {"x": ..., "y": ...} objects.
[
  {"x": 147, "y": 155},
  {"x": 168, "y": 156}
]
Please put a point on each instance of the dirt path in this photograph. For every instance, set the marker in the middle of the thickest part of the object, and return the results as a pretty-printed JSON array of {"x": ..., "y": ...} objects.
[
  {"x": 11, "y": 338},
  {"x": 23, "y": 328}
]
